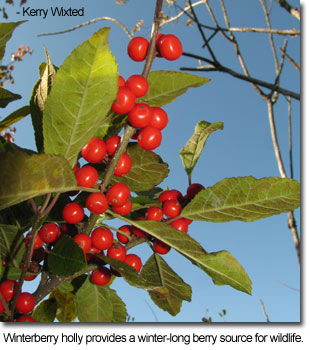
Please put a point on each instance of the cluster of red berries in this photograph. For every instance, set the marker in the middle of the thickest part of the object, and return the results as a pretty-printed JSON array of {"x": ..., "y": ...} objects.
[{"x": 25, "y": 301}]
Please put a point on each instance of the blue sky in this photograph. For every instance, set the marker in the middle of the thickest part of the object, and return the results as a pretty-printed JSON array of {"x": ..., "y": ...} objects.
[{"x": 264, "y": 248}]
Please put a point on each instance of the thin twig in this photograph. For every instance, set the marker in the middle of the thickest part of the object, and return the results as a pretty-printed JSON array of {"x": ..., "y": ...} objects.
[
  {"x": 291, "y": 10},
  {"x": 289, "y": 58},
  {"x": 264, "y": 311}
]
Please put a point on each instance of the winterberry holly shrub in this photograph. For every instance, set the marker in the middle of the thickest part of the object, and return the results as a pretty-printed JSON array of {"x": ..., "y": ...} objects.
[{"x": 96, "y": 135}]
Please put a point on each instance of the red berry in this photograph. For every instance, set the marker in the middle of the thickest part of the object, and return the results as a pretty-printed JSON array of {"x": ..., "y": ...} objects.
[
  {"x": 158, "y": 38},
  {"x": 180, "y": 224},
  {"x": 101, "y": 276},
  {"x": 7, "y": 289},
  {"x": 30, "y": 277},
  {"x": 160, "y": 247},
  {"x": 170, "y": 47},
  {"x": 134, "y": 261},
  {"x": 112, "y": 144},
  {"x": 49, "y": 232},
  {"x": 140, "y": 116},
  {"x": 26, "y": 318},
  {"x": 118, "y": 194},
  {"x": 69, "y": 229},
  {"x": 170, "y": 194},
  {"x": 138, "y": 85},
  {"x": 76, "y": 167},
  {"x": 117, "y": 251},
  {"x": 137, "y": 48},
  {"x": 124, "y": 209},
  {"x": 123, "y": 166},
  {"x": 37, "y": 242},
  {"x": 94, "y": 151},
  {"x": 25, "y": 303},
  {"x": 159, "y": 119},
  {"x": 97, "y": 203},
  {"x": 172, "y": 208},
  {"x": 193, "y": 189},
  {"x": 149, "y": 138},
  {"x": 1, "y": 307},
  {"x": 102, "y": 238},
  {"x": 121, "y": 81},
  {"x": 154, "y": 213},
  {"x": 83, "y": 241},
  {"x": 90, "y": 255},
  {"x": 122, "y": 238},
  {"x": 137, "y": 231},
  {"x": 125, "y": 101},
  {"x": 87, "y": 176},
  {"x": 73, "y": 213}
]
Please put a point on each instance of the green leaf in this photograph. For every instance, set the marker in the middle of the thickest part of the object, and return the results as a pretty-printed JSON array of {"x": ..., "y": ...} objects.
[
  {"x": 7, "y": 96},
  {"x": 26, "y": 176},
  {"x": 45, "y": 311},
  {"x": 65, "y": 309},
  {"x": 6, "y": 31},
  {"x": 82, "y": 94},
  {"x": 244, "y": 199},
  {"x": 111, "y": 125},
  {"x": 12, "y": 245},
  {"x": 147, "y": 170},
  {"x": 214, "y": 264},
  {"x": 39, "y": 95},
  {"x": 166, "y": 86},
  {"x": 177, "y": 290},
  {"x": 66, "y": 258},
  {"x": 14, "y": 117},
  {"x": 193, "y": 148},
  {"x": 99, "y": 304}
]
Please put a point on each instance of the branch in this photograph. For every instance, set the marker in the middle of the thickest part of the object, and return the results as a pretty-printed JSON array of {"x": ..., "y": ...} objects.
[{"x": 293, "y": 11}]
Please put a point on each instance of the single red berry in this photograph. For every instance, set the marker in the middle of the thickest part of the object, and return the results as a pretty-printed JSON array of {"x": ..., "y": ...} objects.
[
  {"x": 125, "y": 101},
  {"x": 137, "y": 231},
  {"x": 76, "y": 167},
  {"x": 134, "y": 261},
  {"x": 97, "y": 203},
  {"x": 193, "y": 189},
  {"x": 112, "y": 144},
  {"x": 124, "y": 209},
  {"x": 170, "y": 47},
  {"x": 117, "y": 251},
  {"x": 170, "y": 194},
  {"x": 1, "y": 307},
  {"x": 90, "y": 255},
  {"x": 122, "y": 238},
  {"x": 160, "y": 247},
  {"x": 94, "y": 151},
  {"x": 30, "y": 277},
  {"x": 87, "y": 176},
  {"x": 138, "y": 85},
  {"x": 121, "y": 81},
  {"x": 137, "y": 48},
  {"x": 180, "y": 224},
  {"x": 172, "y": 208},
  {"x": 49, "y": 232},
  {"x": 102, "y": 238},
  {"x": 159, "y": 119},
  {"x": 7, "y": 289},
  {"x": 83, "y": 241},
  {"x": 123, "y": 166},
  {"x": 25, "y": 303},
  {"x": 154, "y": 213},
  {"x": 118, "y": 194},
  {"x": 38, "y": 243},
  {"x": 140, "y": 116},
  {"x": 26, "y": 318},
  {"x": 158, "y": 38},
  {"x": 149, "y": 138},
  {"x": 73, "y": 213},
  {"x": 101, "y": 276}
]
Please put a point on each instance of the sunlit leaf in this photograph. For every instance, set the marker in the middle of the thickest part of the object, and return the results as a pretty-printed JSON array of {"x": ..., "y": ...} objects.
[{"x": 14, "y": 118}]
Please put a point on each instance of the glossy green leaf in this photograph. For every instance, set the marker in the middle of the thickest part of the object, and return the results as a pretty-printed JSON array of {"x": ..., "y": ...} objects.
[
  {"x": 65, "y": 306},
  {"x": 111, "y": 125},
  {"x": 25, "y": 176},
  {"x": 99, "y": 304},
  {"x": 7, "y": 96},
  {"x": 166, "y": 86},
  {"x": 214, "y": 264},
  {"x": 157, "y": 270},
  {"x": 244, "y": 199},
  {"x": 66, "y": 258},
  {"x": 12, "y": 245},
  {"x": 147, "y": 170},
  {"x": 45, "y": 311},
  {"x": 191, "y": 152},
  {"x": 6, "y": 31},
  {"x": 82, "y": 94},
  {"x": 14, "y": 117},
  {"x": 39, "y": 95}
]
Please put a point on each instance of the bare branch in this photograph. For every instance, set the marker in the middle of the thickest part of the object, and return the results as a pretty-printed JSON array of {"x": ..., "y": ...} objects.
[
  {"x": 295, "y": 65},
  {"x": 291, "y": 10},
  {"x": 264, "y": 311}
]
